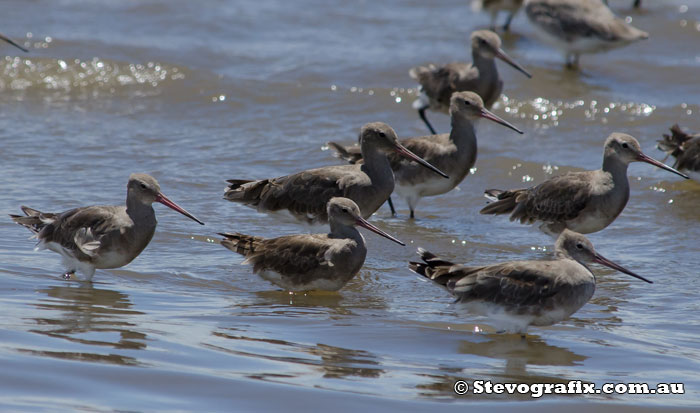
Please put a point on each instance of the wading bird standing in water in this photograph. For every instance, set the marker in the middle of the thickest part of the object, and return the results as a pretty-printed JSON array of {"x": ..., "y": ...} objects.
[
  {"x": 453, "y": 153},
  {"x": 580, "y": 26},
  {"x": 438, "y": 83},
  {"x": 305, "y": 194},
  {"x": 101, "y": 236},
  {"x": 515, "y": 295},
  {"x": 310, "y": 261},
  {"x": 584, "y": 202}
]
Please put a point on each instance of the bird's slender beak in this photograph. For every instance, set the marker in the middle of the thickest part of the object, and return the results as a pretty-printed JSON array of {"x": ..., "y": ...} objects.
[
  {"x": 365, "y": 224},
  {"x": 643, "y": 158},
  {"x": 401, "y": 150},
  {"x": 503, "y": 56},
  {"x": 170, "y": 204},
  {"x": 487, "y": 114},
  {"x": 8, "y": 40},
  {"x": 604, "y": 261}
]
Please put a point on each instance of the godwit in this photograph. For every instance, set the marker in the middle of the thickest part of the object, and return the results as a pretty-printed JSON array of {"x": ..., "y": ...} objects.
[
  {"x": 306, "y": 193},
  {"x": 580, "y": 26},
  {"x": 584, "y": 202},
  {"x": 101, "y": 236},
  {"x": 685, "y": 148},
  {"x": 453, "y": 153},
  {"x": 438, "y": 83},
  {"x": 310, "y": 261},
  {"x": 10, "y": 41},
  {"x": 496, "y": 6},
  {"x": 515, "y": 295}
]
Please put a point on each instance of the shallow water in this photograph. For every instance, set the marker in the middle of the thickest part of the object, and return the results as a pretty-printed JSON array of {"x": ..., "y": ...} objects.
[{"x": 195, "y": 95}]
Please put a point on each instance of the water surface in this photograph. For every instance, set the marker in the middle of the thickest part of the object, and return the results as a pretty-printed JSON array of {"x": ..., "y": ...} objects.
[{"x": 198, "y": 93}]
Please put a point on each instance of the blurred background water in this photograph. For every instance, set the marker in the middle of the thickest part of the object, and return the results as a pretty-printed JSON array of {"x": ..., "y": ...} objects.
[{"x": 195, "y": 93}]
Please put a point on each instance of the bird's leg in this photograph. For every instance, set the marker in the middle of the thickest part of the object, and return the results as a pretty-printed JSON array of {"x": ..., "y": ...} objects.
[
  {"x": 391, "y": 205},
  {"x": 523, "y": 336},
  {"x": 67, "y": 275},
  {"x": 637, "y": 3},
  {"x": 569, "y": 64},
  {"x": 506, "y": 26},
  {"x": 572, "y": 61},
  {"x": 413, "y": 214},
  {"x": 421, "y": 113}
]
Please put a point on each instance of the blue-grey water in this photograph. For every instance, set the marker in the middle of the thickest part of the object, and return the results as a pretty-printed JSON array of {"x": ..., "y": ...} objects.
[{"x": 195, "y": 93}]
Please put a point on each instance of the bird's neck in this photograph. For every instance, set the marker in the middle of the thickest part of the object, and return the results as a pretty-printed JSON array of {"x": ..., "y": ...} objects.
[
  {"x": 616, "y": 167},
  {"x": 463, "y": 134},
  {"x": 486, "y": 65},
  {"x": 139, "y": 212},
  {"x": 376, "y": 163},
  {"x": 342, "y": 231}
]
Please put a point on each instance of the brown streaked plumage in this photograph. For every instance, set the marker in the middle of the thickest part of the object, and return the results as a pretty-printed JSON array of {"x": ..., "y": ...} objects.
[
  {"x": 306, "y": 193},
  {"x": 310, "y": 261},
  {"x": 101, "y": 236},
  {"x": 518, "y": 294},
  {"x": 10, "y": 41},
  {"x": 453, "y": 153},
  {"x": 438, "y": 83},
  {"x": 685, "y": 147},
  {"x": 584, "y": 202},
  {"x": 580, "y": 26},
  {"x": 496, "y": 6}
]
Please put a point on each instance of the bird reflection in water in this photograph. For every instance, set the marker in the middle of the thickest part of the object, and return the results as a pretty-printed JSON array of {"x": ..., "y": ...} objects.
[
  {"x": 92, "y": 317},
  {"x": 516, "y": 352}
]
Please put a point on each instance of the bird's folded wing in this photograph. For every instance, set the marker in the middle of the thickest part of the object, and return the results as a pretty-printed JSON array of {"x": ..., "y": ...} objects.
[
  {"x": 290, "y": 255},
  {"x": 513, "y": 283}
]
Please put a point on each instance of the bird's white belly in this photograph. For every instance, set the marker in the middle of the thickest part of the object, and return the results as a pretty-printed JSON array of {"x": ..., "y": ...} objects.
[
  {"x": 589, "y": 222},
  {"x": 577, "y": 45},
  {"x": 499, "y": 318},
  {"x": 111, "y": 259},
  {"x": 429, "y": 187},
  {"x": 324, "y": 284}
]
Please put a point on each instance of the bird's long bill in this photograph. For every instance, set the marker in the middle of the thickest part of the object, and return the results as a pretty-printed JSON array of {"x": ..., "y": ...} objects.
[
  {"x": 170, "y": 204},
  {"x": 8, "y": 40},
  {"x": 365, "y": 224},
  {"x": 604, "y": 261},
  {"x": 503, "y": 56},
  {"x": 658, "y": 164},
  {"x": 401, "y": 150},
  {"x": 487, "y": 114}
]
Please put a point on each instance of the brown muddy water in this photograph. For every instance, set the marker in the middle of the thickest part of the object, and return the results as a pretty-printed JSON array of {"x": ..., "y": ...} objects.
[{"x": 199, "y": 92}]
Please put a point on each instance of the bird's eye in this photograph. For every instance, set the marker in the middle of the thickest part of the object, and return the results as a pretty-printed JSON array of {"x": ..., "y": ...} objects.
[
  {"x": 579, "y": 246},
  {"x": 382, "y": 134},
  {"x": 625, "y": 145},
  {"x": 143, "y": 186},
  {"x": 345, "y": 210},
  {"x": 466, "y": 102}
]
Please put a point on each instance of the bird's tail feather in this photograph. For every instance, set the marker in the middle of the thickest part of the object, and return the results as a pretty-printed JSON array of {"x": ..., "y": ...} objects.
[
  {"x": 350, "y": 154},
  {"x": 503, "y": 202},
  {"x": 244, "y": 190},
  {"x": 33, "y": 219},
  {"x": 243, "y": 244},
  {"x": 433, "y": 267},
  {"x": 673, "y": 144}
]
